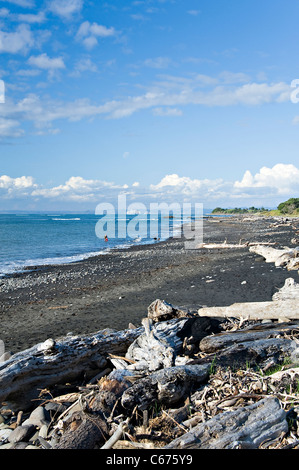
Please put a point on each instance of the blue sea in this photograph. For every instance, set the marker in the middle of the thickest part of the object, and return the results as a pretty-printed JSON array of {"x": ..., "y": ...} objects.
[{"x": 45, "y": 238}]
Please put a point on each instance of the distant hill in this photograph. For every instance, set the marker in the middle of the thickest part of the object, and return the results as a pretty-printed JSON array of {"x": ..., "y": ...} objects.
[
  {"x": 238, "y": 210},
  {"x": 289, "y": 207}
]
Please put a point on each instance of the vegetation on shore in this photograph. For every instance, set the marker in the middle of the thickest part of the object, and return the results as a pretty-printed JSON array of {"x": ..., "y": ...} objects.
[{"x": 289, "y": 207}]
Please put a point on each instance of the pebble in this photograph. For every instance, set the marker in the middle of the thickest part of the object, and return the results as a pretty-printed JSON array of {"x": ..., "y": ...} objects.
[
  {"x": 5, "y": 433},
  {"x": 38, "y": 417},
  {"x": 43, "y": 432},
  {"x": 21, "y": 433}
]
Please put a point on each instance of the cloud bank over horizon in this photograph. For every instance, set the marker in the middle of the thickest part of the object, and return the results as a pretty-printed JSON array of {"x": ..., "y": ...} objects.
[{"x": 277, "y": 183}]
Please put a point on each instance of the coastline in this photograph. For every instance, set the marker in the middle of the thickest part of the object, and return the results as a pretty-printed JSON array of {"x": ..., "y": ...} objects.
[{"x": 115, "y": 289}]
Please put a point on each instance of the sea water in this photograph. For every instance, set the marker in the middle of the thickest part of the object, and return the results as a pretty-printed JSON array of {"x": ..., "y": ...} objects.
[{"x": 28, "y": 240}]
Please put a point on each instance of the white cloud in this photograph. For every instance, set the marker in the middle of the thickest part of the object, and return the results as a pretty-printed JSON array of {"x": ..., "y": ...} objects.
[
  {"x": 10, "y": 128},
  {"x": 166, "y": 97},
  {"x": 89, "y": 32},
  {"x": 284, "y": 178},
  {"x": 44, "y": 62},
  {"x": 4, "y": 12},
  {"x": 186, "y": 186},
  {"x": 158, "y": 62},
  {"x": 167, "y": 112},
  {"x": 268, "y": 185},
  {"x": 66, "y": 8},
  {"x": 16, "y": 185},
  {"x": 194, "y": 12},
  {"x": 32, "y": 18},
  {"x": 22, "y": 3},
  {"x": 84, "y": 65},
  {"x": 77, "y": 188},
  {"x": 16, "y": 42}
]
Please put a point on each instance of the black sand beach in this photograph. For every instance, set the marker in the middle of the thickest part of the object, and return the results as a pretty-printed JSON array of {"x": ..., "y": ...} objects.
[{"x": 113, "y": 290}]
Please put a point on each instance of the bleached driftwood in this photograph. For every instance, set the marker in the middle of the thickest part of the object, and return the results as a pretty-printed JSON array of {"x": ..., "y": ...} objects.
[
  {"x": 273, "y": 310},
  {"x": 293, "y": 264},
  {"x": 289, "y": 291},
  {"x": 222, "y": 245},
  {"x": 24, "y": 374},
  {"x": 232, "y": 245},
  {"x": 245, "y": 428},
  {"x": 162, "y": 342},
  {"x": 166, "y": 386},
  {"x": 280, "y": 257},
  {"x": 160, "y": 310},
  {"x": 261, "y": 331}
]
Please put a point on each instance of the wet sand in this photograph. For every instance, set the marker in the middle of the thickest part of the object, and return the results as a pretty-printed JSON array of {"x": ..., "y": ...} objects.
[{"x": 113, "y": 290}]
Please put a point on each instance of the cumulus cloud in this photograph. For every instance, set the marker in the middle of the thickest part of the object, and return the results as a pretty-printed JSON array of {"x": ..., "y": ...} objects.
[
  {"x": 32, "y": 18},
  {"x": 284, "y": 178},
  {"x": 267, "y": 187},
  {"x": 186, "y": 186},
  {"x": 65, "y": 8},
  {"x": 77, "y": 188},
  {"x": 43, "y": 61},
  {"x": 16, "y": 187},
  {"x": 17, "y": 42},
  {"x": 89, "y": 33}
]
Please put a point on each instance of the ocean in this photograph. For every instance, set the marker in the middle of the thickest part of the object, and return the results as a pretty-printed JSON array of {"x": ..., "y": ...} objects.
[{"x": 28, "y": 240}]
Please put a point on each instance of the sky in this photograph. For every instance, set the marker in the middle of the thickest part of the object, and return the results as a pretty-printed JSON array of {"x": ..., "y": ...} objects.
[{"x": 158, "y": 100}]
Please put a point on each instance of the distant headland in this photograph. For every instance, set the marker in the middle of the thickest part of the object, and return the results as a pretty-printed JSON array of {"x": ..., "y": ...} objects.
[{"x": 289, "y": 207}]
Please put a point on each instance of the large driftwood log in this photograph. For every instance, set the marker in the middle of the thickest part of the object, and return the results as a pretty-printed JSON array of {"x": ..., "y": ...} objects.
[
  {"x": 270, "y": 254},
  {"x": 273, "y": 310},
  {"x": 284, "y": 257},
  {"x": 264, "y": 345},
  {"x": 53, "y": 362},
  {"x": 166, "y": 386},
  {"x": 258, "y": 332},
  {"x": 245, "y": 428}
]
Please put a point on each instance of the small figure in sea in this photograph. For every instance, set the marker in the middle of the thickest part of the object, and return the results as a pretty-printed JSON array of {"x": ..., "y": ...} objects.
[{"x": 106, "y": 238}]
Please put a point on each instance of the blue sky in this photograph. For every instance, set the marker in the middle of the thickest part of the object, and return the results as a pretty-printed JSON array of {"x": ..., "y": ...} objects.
[{"x": 161, "y": 100}]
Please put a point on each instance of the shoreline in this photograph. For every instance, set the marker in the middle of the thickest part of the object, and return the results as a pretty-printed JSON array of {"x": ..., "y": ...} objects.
[{"x": 115, "y": 289}]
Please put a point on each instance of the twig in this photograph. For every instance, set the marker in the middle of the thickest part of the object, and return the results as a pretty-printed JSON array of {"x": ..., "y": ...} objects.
[
  {"x": 116, "y": 436},
  {"x": 178, "y": 424}
]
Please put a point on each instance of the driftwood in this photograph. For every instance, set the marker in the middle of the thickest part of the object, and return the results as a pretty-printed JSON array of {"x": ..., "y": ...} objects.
[
  {"x": 263, "y": 345},
  {"x": 53, "y": 362},
  {"x": 89, "y": 428},
  {"x": 245, "y": 428},
  {"x": 166, "y": 386},
  {"x": 162, "y": 342},
  {"x": 232, "y": 245},
  {"x": 284, "y": 305},
  {"x": 24, "y": 374},
  {"x": 273, "y": 310},
  {"x": 280, "y": 257},
  {"x": 160, "y": 310},
  {"x": 258, "y": 332},
  {"x": 289, "y": 291}
]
